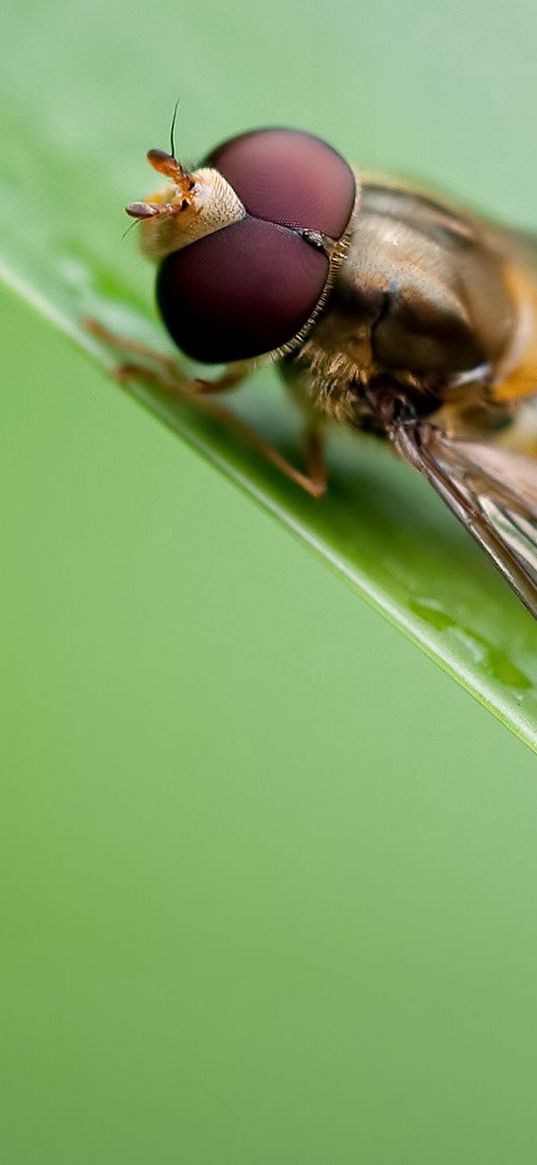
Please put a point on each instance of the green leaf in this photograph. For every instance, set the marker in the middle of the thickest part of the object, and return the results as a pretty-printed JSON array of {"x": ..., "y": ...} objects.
[{"x": 88, "y": 90}]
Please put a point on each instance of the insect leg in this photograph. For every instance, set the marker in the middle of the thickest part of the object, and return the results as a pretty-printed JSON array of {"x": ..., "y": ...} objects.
[
  {"x": 200, "y": 394},
  {"x": 127, "y": 344},
  {"x": 170, "y": 376}
]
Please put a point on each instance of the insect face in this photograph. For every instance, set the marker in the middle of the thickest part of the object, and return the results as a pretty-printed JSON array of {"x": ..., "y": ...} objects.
[{"x": 247, "y": 243}]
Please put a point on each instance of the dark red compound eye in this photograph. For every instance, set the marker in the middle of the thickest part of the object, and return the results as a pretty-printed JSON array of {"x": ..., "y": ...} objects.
[
  {"x": 289, "y": 177},
  {"x": 241, "y": 291},
  {"x": 249, "y": 288}
]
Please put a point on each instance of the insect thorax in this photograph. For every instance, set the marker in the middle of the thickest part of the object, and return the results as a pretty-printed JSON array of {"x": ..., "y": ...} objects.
[{"x": 422, "y": 298}]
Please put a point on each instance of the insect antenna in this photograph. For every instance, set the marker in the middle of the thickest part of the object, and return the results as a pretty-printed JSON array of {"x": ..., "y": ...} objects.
[
  {"x": 129, "y": 228},
  {"x": 172, "y": 129}
]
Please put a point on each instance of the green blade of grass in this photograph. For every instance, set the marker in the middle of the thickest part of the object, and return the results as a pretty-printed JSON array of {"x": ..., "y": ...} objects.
[{"x": 75, "y": 127}]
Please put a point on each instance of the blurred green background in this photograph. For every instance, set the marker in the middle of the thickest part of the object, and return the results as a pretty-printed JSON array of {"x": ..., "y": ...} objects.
[{"x": 268, "y": 877}]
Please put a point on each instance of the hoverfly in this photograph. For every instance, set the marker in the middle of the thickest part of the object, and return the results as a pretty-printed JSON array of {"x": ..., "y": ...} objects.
[{"x": 387, "y": 309}]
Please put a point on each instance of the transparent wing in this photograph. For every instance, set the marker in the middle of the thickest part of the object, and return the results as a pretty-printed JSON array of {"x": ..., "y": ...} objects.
[{"x": 491, "y": 491}]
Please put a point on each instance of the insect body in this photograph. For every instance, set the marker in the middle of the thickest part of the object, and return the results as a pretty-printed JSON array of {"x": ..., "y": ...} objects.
[{"x": 387, "y": 310}]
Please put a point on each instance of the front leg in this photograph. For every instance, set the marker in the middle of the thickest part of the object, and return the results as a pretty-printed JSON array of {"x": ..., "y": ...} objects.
[
  {"x": 170, "y": 376},
  {"x": 166, "y": 376}
]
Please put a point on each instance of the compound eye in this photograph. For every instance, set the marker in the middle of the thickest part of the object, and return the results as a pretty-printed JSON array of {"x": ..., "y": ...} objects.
[
  {"x": 241, "y": 291},
  {"x": 289, "y": 177}
]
